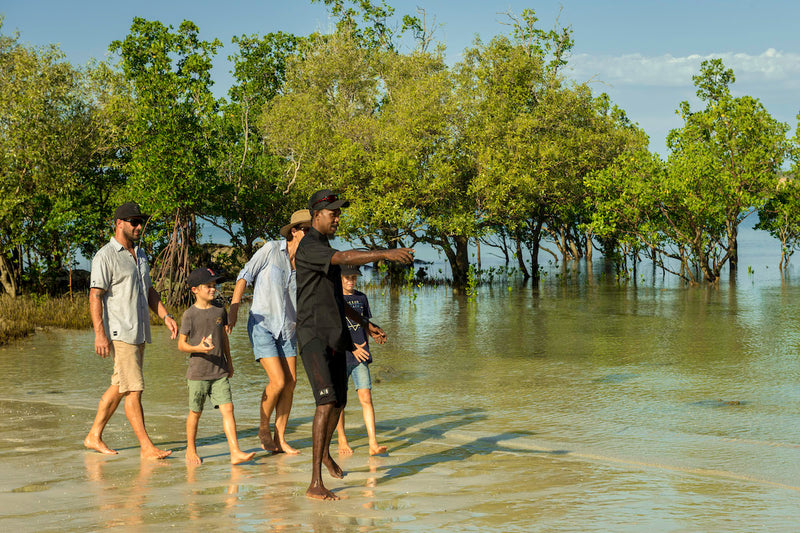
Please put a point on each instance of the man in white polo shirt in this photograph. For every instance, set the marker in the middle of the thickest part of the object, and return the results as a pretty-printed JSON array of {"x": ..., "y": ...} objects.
[{"x": 120, "y": 295}]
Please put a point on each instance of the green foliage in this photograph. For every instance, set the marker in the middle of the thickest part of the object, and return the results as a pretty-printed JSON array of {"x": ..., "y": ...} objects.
[
  {"x": 56, "y": 164},
  {"x": 251, "y": 197},
  {"x": 169, "y": 147},
  {"x": 723, "y": 165},
  {"x": 780, "y": 216}
]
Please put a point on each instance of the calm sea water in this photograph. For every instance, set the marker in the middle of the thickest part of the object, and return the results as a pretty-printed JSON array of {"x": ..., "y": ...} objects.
[{"x": 585, "y": 406}]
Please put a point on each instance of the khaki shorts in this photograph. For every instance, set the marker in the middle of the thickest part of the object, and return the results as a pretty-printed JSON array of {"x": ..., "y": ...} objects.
[{"x": 128, "y": 359}]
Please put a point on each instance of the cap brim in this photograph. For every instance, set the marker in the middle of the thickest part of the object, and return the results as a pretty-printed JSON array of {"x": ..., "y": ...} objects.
[
  {"x": 284, "y": 231},
  {"x": 338, "y": 204}
]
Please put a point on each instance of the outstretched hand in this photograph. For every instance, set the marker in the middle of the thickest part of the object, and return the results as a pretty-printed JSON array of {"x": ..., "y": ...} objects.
[
  {"x": 377, "y": 333},
  {"x": 400, "y": 255}
]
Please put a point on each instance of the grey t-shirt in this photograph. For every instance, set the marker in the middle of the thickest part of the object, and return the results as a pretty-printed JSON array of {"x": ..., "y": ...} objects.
[{"x": 197, "y": 323}]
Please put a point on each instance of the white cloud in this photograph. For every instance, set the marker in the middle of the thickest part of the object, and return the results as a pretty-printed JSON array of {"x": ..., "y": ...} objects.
[{"x": 771, "y": 66}]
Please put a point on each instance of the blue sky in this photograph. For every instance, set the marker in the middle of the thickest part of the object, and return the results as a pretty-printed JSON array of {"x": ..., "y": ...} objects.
[{"x": 643, "y": 53}]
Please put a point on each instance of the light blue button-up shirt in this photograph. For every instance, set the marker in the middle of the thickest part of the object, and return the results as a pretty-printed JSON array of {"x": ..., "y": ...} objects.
[{"x": 270, "y": 274}]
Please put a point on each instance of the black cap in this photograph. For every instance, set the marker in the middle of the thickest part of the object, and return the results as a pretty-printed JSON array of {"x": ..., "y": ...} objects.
[
  {"x": 326, "y": 199},
  {"x": 201, "y": 276},
  {"x": 349, "y": 270},
  {"x": 129, "y": 210}
]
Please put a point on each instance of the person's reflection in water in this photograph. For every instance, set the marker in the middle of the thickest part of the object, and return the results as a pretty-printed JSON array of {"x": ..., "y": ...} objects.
[
  {"x": 192, "y": 510},
  {"x": 371, "y": 483},
  {"x": 233, "y": 488},
  {"x": 124, "y": 508}
]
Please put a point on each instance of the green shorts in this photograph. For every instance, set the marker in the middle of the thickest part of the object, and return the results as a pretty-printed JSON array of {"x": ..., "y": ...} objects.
[{"x": 219, "y": 390}]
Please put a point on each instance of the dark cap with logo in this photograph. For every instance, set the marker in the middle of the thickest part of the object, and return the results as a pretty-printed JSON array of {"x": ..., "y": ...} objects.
[
  {"x": 201, "y": 276},
  {"x": 326, "y": 199},
  {"x": 350, "y": 270},
  {"x": 129, "y": 210}
]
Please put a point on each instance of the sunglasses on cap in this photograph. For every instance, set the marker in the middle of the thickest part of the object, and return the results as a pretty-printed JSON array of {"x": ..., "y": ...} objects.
[{"x": 330, "y": 198}]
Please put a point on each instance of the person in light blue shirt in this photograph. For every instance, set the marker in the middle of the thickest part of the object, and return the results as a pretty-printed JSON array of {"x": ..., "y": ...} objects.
[{"x": 271, "y": 325}]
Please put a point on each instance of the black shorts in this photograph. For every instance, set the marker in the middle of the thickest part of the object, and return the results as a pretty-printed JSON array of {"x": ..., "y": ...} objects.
[{"x": 327, "y": 372}]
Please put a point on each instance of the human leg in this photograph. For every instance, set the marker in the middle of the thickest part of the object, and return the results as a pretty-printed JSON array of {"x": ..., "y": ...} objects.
[
  {"x": 363, "y": 384},
  {"x": 229, "y": 426},
  {"x": 135, "y": 414},
  {"x": 317, "y": 359},
  {"x": 365, "y": 397},
  {"x": 268, "y": 351},
  {"x": 191, "y": 438},
  {"x": 344, "y": 447},
  {"x": 319, "y": 429},
  {"x": 269, "y": 399},
  {"x": 105, "y": 409},
  {"x": 333, "y": 468},
  {"x": 284, "y": 405},
  {"x": 128, "y": 376}
]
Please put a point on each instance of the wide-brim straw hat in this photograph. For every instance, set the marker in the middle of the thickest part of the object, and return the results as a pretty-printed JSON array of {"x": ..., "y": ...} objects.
[{"x": 298, "y": 217}]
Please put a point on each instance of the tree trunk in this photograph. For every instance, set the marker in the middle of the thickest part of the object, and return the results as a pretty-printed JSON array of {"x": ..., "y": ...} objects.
[
  {"x": 458, "y": 256},
  {"x": 535, "y": 244},
  {"x": 7, "y": 278},
  {"x": 520, "y": 260}
]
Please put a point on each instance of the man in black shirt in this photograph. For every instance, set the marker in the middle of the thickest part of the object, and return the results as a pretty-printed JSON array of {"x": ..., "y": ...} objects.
[{"x": 322, "y": 335}]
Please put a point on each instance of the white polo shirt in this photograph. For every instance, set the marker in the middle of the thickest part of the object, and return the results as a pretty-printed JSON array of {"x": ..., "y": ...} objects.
[{"x": 126, "y": 281}]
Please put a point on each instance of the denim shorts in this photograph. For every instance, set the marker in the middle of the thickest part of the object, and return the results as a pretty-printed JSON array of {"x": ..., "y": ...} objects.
[
  {"x": 360, "y": 373},
  {"x": 265, "y": 345}
]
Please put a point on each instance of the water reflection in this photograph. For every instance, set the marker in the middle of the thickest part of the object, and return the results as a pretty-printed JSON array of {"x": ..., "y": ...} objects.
[{"x": 121, "y": 502}]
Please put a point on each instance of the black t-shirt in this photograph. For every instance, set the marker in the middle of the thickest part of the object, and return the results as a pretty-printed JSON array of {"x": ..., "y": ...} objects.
[
  {"x": 320, "y": 305},
  {"x": 358, "y": 301}
]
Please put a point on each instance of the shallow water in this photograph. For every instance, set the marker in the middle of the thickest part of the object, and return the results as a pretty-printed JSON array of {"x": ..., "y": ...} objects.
[{"x": 583, "y": 407}]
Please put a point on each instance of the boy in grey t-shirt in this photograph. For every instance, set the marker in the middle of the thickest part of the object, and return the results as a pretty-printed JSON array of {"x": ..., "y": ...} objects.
[{"x": 202, "y": 334}]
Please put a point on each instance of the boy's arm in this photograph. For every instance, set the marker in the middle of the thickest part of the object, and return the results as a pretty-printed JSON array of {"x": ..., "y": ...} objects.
[
  {"x": 374, "y": 331},
  {"x": 204, "y": 347}
]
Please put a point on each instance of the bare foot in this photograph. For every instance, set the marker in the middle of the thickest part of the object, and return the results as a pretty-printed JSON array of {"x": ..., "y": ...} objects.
[
  {"x": 333, "y": 469},
  {"x": 377, "y": 450},
  {"x": 283, "y": 447},
  {"x": 155, "y": 453},
  {"x": 267, "y": 443},
  {"x": 320, "y": 493},
  {"x": 240, "y": 457},
  {"x": 345, "y": 449},
  {"x": 192, "y": 458},
  {"x": 97, "y": 444}
]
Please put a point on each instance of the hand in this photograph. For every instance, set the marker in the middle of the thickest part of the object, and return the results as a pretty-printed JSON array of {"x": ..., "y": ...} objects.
[
  {"x": 206, "y": 345},
  {"x": 172, "y": 326},
  {"x": 400, "y": 255},
  {"x": 233, "y": 314},
  {"x": 377, "y": 333},
  {"x": 360, "y": 353},
  {"x": 102, "y": 346}
]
